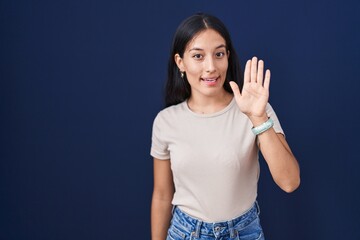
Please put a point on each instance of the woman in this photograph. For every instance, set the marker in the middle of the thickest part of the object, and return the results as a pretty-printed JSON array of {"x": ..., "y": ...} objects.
[{"x": 206, "y": 141}]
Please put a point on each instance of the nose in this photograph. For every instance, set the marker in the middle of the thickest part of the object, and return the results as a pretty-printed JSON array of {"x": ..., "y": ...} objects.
[{"x": 210, "y": 65}]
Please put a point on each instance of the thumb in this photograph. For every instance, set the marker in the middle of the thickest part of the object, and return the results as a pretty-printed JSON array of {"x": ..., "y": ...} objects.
[{"x": 235, "y": 89}]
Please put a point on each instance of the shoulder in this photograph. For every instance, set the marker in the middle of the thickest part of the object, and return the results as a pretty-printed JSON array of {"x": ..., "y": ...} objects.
[
  {"x": 271, "y": 114},
  {"x": 169, "y": 114},
  {"x": 270, "y": 110}
]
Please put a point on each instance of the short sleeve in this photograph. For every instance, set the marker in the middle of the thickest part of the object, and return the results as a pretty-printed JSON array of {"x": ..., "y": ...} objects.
[
  {"x": 271, "y": 114},
  {"x": 159, "y": 147}
]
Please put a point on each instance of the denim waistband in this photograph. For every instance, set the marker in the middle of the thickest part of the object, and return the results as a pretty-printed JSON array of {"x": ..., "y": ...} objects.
[{"x": 199, "y": 227}]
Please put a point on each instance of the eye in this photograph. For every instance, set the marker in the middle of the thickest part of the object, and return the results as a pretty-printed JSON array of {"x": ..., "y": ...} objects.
[
  {"x": 197, "y": 56},
  {"x": 220, "y": 54}
]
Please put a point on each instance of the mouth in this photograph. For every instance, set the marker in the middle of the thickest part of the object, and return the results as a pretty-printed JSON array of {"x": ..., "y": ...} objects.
[{"x": 210, "y": 80}]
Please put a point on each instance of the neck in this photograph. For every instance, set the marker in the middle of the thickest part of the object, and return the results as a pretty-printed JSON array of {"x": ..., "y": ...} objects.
[{"x": 209, "y": 104}]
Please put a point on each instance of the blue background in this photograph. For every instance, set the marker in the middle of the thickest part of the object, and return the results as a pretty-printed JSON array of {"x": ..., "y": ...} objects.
[{"x": 81, "y": 82}]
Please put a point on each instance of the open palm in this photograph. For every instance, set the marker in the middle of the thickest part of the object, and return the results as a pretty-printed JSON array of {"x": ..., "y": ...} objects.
[{"x": 255, "y": 93}]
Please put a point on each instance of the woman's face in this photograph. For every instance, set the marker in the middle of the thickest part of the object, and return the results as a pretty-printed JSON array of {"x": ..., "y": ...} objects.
[{"x": 205, "y": 63}]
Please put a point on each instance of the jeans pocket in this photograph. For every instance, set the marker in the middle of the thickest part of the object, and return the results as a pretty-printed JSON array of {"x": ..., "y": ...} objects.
[
  {"x": 175, "y": 234},
  {"x": 252, "y": 231}
]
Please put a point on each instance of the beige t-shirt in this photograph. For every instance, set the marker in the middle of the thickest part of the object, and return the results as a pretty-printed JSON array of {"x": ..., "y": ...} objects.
[{"x": 214, "y": 159}]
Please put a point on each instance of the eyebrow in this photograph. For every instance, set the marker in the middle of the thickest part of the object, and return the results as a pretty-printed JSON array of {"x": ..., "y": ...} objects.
[{"x": 200, "y": 49}]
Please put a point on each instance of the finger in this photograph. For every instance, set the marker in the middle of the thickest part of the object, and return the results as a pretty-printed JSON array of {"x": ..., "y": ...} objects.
[
  {"x": 247, "y": 71},
  {"x": 267, "y": 79},
  {"x": 260, "y": 72},
  {"x": 253, "y": 69},
  {"x": 235, "y": 89}
]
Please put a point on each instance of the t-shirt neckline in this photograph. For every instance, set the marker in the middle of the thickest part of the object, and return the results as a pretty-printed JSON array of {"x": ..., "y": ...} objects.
[{"x": 208, "y": 115}]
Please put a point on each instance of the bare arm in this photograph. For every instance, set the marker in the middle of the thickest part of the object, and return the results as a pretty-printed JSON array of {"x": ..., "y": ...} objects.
[
  {"x": 283, "y": 165},
  {"x": 161, "y": 199}
]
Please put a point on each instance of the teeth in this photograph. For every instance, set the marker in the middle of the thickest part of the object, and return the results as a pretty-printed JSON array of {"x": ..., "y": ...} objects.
[{"x": 210, "y": 80}]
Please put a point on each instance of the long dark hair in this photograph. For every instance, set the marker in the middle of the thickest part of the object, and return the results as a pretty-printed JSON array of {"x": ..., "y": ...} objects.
[{"x": 177, "y": 89}]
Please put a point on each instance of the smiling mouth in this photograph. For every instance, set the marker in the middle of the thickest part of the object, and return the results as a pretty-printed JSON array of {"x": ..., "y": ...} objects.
[{"x": 210, "y": 80}]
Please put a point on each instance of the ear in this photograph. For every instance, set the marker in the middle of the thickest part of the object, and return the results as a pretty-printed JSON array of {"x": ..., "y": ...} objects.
[
  {"x": 228, "y": 54},
  {"x": 179, "y": 62}
]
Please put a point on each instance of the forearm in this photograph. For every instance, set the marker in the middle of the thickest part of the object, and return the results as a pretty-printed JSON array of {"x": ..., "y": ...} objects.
[
  {"x": 160, "y": 217},
  {"x": 283, "y": 166}
]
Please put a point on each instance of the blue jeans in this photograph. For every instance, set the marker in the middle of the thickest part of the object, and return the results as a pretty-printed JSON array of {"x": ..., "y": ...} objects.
[{"x": 244, "y": 227}]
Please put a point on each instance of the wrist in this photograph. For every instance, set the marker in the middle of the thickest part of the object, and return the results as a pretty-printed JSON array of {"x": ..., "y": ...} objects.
[
  {"x": 258, "y": 120},
  {"x": 263, "y": 127}
]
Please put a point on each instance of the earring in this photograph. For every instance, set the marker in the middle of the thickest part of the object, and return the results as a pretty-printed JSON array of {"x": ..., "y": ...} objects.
[{"x": 182, "y": 74}]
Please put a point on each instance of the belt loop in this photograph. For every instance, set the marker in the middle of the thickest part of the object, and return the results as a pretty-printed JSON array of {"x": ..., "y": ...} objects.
[
  {"x": 197, "y": 230},
  {"x": 257, "y": 207},
  {"x": 231, "y": 229}
]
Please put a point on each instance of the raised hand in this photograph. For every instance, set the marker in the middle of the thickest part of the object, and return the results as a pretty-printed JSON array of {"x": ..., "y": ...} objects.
[
  {"x": 276, "y": 151},
  {"x": 255, "y": 93}
]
